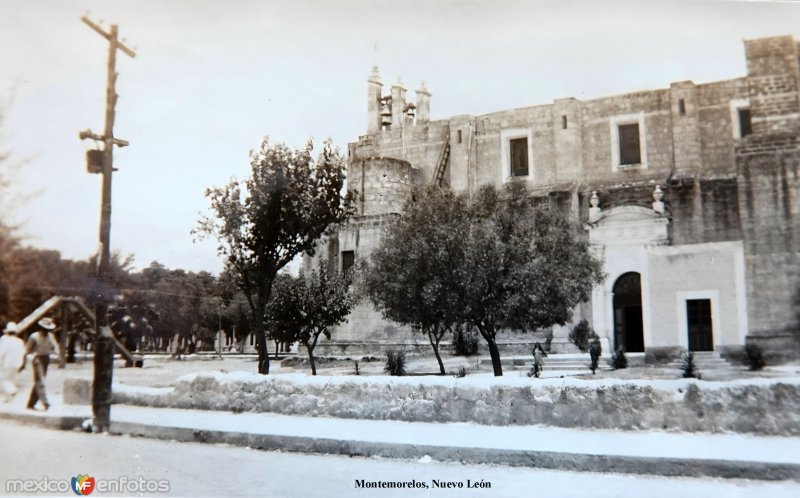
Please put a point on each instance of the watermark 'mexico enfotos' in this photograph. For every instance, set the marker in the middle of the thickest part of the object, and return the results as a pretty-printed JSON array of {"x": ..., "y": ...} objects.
[{"x": 83, "y": 484}]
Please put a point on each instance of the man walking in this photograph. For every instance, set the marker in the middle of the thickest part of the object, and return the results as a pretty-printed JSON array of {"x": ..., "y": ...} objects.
[
  {"x": 12, "y": 352},
  {"x": 40, "y": 344}
]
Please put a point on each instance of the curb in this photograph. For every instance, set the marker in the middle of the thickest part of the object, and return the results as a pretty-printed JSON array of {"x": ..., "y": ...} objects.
[{"x": 570, "y": 462}]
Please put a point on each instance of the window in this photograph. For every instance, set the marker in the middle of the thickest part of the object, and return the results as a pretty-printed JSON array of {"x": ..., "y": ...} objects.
[
  {"x": 628, "y": 142},
  {"x": 519, "y": 156},
  {"x": 741, "y": 120},
  {"x": 348, "y": 261},
  {"x": 459, "y": 136},
  {"x": 682, "y": 107},
  {"x": 563, "y": 121},
  {"x": 629, "y": 149},
  {"x": 745, "y": 125},
  {"x": 516, "y": 154}
]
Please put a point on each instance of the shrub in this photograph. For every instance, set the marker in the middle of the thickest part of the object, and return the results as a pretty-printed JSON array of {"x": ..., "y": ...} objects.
[
  {"x": 581, "y": 334},
  {"x": 754, "y": 357},
  {"x": 619, "y": 360},
  {"x": 689, "y": 367},
  {"x": 461, "y": 372},
  {"x": 595, "y": 350},
  {"x": 395, "y": 362},
  {"x": 465, "y": 342}
]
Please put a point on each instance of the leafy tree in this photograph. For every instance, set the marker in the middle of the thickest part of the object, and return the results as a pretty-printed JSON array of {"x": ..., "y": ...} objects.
[
  {"x": 495, "y": 261},
  {"x": 524, "y": 267},
  {"x": 188, "y": 305},
  {"x": 305, "y": 307},
  {"x": 278, "y": 213},
  {"x": 407, "y": 275},
  {"x": 284, "y": 314}
]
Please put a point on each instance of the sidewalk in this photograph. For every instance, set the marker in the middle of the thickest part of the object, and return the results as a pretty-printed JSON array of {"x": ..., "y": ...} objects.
[{"x": 653, "y": 453}]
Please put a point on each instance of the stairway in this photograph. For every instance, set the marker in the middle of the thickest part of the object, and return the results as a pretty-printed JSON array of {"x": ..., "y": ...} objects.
[
  {"x": 563, "y": 362},
  {"x": 704, "y": 361}
]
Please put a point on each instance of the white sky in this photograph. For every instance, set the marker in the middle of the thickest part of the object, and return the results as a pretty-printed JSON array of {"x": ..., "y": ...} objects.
[{"x": 212, "y": 77}]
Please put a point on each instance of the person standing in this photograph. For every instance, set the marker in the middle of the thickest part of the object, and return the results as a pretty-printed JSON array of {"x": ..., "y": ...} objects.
[
  {"x": 12, "y": 353},
  {"x": 538, "y": 359},
  {"x": 40, "y": 344}
]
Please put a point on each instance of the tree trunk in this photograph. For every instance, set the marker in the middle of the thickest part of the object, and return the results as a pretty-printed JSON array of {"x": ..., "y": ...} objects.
[
  {"x": 495, "y": 354},
  {"x": 310, "y": 350},
  {"x": 261, "y": 344},
  {"x": 435, "y": 346}
]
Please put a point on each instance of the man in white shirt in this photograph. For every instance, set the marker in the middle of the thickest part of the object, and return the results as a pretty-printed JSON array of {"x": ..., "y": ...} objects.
[
  {"x": 40, "y": 345},
  {"x": 12, "y": 352}
]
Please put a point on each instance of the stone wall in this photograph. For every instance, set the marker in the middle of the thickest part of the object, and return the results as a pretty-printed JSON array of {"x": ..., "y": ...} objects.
[{"x": 764, "y": 408}]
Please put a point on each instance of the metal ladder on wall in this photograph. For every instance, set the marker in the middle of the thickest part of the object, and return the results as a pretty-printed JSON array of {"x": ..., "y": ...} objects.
[{"x": 443, "y": 161}]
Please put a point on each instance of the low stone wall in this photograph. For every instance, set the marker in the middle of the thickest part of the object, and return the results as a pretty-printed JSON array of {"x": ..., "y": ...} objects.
[{"x": 758, "y": 406}]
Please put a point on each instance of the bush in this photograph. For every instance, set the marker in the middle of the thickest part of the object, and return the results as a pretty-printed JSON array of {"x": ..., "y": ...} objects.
[
  {"x": 595, "y": 350},
  {"x": 754, "y": 357},
  {"x": 465, "y": 342},
  {"x": 689, "y": 367},
  {"x": 461, "y": 372},
  {"x": 395, "y": 362},
  {"x": 619, "y": 360},
  {"x": 581, "y": 335}
]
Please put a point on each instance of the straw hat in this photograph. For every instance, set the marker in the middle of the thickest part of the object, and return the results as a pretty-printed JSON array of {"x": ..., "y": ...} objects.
[
  {"x": 47, "y": 323},
  {"x": 11, "y": 328}
]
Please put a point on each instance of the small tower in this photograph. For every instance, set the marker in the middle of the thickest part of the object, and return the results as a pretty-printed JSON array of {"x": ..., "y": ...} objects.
[
  {"x": 374, "y": 90},
  {"x": 423, "y": 104},
  {"x": 398, "y": 104}
]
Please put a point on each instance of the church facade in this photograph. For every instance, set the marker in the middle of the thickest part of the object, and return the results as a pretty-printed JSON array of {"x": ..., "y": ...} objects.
[{"x": 689, "y": 195}]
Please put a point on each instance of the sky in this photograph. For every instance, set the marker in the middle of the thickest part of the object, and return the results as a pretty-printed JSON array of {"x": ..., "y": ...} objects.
[{"x": 211, "y": 78}]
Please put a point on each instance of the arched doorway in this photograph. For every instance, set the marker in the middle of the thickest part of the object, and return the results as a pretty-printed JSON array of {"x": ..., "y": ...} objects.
[{"x": 628, "y": 325}]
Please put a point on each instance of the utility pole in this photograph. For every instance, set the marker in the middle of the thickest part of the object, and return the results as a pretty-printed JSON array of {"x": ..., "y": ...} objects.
[{"x": 102, "y": 162}]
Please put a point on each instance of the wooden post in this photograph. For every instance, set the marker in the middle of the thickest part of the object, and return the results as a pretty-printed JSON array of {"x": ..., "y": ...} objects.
[
  {"x": 62, "y": 353},
  {"x": 103, "y": 294}
]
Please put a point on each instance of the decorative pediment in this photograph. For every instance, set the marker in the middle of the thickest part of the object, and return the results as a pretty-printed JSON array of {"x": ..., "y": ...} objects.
[{"x": 623, "y": 225}]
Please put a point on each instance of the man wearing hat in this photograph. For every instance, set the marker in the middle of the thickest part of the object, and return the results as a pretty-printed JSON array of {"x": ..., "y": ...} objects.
[
  {"x": 40, "y": 344},
  {"x": 12, "y": 352}
]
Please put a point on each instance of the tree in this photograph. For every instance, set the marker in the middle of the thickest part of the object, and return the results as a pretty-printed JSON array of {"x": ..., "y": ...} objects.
[
  {"x": 305, "y": 307},
  {"x": 278, "y": 213},
  {"x": 406, "y": 275},
  {"x": 524, "y": 268},
  {"x": 494, "y": 261},
  {"x": 284, "y": 317}
]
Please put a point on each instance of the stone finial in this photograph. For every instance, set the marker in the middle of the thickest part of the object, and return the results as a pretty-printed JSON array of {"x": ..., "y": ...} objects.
[
  {"x": 423, "y": 89},
  {"x": 399, "y": 84},
  {"x": 594, "y": 210},
  {"x": 375, "y": 76},
  {"x": 658, "y": 196}
]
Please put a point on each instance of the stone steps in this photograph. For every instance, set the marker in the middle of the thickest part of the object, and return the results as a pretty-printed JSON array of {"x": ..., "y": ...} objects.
[
  {"x": 560, "y": 362},
  {"x": 705, "y": 360}
]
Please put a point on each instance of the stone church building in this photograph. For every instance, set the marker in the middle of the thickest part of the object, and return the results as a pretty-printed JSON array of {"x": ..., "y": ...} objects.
[{"x": 688, "y": 194}]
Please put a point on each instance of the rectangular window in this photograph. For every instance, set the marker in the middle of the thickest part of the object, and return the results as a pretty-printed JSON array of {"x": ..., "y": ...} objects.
[
  {"x": 519, "y": 156},
  {"x": 563, "y": 121},
  {"x": 459, "y": 136},
  {"x": 745, "y": 124},
  {"x": 682, "y": 107},
  {"x": 348, "y": 261},
  {"x": 629, "y": 150}
]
